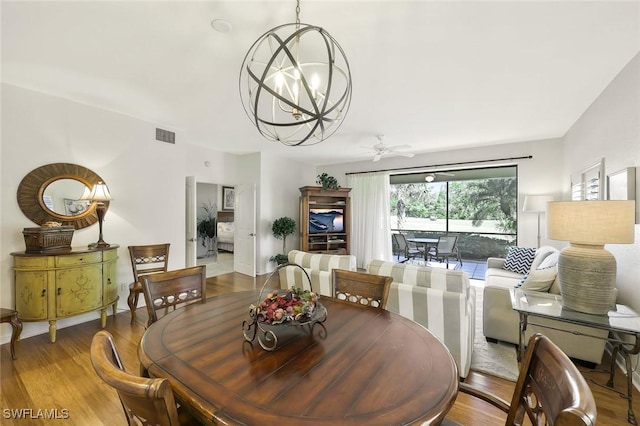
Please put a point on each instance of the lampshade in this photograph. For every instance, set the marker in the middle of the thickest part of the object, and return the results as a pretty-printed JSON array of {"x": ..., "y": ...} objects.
[
  {"x": 295, "y": 84},
  {"x": 100, "y": 192},
  {"x": 591, "y": 222},
  {"x": 536, "y": 203}
]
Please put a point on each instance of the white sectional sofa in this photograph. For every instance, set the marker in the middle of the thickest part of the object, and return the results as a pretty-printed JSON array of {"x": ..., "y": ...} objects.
[
  {"x": 441, "y": 300},
  {"x": 501, "y": 322},
  {"x": 318, "y": 266}
]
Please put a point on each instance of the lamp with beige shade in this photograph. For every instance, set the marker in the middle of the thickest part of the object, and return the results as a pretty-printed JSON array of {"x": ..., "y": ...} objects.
[
  {"x": 586, "y": 271},
  {"x": 536, "y": 204}
]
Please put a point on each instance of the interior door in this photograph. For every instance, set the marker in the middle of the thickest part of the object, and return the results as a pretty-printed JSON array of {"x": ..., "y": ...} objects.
[
  {"x": 244, "y": 259},
  {"x": 190, "y": 221}
]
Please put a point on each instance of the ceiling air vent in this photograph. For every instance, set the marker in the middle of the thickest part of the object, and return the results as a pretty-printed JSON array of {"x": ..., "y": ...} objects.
[{"x": 165, "y": 136}]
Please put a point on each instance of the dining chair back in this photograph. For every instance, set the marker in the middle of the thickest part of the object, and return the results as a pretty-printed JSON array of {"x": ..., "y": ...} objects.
[
  {"x": 407, "y": 250},
  {"x": 550, "y": 389},
  {"x": 144, "y": 401},
  {"x": 167, "y": 290},
  {"x": 446, "y": 248},
  {"x": 361, "y": 288},
  {"x": 145, "y": 259}
]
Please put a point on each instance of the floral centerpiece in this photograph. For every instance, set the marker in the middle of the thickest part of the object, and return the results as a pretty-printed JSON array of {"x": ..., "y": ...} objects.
[{"x": 286, "y": 306}]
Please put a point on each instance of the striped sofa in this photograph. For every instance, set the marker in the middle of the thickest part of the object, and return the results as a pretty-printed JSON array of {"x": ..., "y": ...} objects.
[
  {"x": 441, "y": 300},
  {"x": 318, "y": 266}
]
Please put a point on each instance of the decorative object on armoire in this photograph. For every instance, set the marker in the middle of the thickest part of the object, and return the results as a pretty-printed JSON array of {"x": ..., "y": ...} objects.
[
  {"x": 281, "y": 228},
  {"x": 60, "y": 284},
  {"x": 99, "y": 194},
  {"x": 327, "y": 182},
  {"x": 586, "y": 271},
  {"x": 45, "y": 191},
  {"x": 295, "y": 84},
  {"x": 536, "y": 204}
]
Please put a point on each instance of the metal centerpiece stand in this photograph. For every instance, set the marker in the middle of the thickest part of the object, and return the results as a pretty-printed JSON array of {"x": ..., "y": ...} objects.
[{"x": 267, "y": 333}]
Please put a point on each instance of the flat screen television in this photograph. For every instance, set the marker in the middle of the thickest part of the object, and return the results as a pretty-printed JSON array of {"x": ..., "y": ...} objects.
[{"x": 326, "y": 220}]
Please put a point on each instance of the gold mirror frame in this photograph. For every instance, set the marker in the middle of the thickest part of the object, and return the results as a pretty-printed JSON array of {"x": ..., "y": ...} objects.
[{"x": 33, "y": 185}]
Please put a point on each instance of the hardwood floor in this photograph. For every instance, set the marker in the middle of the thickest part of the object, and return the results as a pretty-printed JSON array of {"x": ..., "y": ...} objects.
[{"x": 57, "y": 380}]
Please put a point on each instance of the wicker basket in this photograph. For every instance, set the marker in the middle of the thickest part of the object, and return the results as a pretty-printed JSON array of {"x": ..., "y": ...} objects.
[{"x": 41, "y": 240}]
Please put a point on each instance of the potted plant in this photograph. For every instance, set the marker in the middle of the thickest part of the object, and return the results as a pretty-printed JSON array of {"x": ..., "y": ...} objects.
[
  {"x": 206, "y": 227},
  {"x": 281, "y": 228},
  {"x": 327, "y": 182}
]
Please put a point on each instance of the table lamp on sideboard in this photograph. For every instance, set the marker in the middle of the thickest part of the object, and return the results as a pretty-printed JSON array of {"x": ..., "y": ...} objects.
[
  {"x": 99, "y": 193},
  {"x": 586, "y": 271}
]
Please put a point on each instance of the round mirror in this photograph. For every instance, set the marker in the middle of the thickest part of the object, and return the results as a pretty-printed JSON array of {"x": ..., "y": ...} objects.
[{"x": 53, "y": 193}]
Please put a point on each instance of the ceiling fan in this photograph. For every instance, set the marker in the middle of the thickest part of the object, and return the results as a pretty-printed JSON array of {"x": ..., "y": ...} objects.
[
  {"x": 381, "y": 149},
  {"x": 430, "y": 177}
]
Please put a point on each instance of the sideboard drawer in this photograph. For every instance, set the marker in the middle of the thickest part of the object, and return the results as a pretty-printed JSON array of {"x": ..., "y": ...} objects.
[
  {"x": 27, "y": 262},
  {"x": 78, "y": 259}
]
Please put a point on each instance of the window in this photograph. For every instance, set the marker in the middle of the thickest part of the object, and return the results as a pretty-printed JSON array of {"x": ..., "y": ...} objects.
[
  {"x": 588, "y": 185},
  {"x": 478, "y": 204}
]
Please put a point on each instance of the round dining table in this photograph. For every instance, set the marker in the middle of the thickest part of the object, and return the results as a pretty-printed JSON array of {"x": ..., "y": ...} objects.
[{"x": 361, "y": 366}]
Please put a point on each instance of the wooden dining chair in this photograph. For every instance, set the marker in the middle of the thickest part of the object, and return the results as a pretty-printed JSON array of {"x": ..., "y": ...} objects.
[
  {"x": 361, "y": 288},
  {"x": 145, "y": 259},
  {"x": 550, "y": 390},
  {"x": 167, "y": 290},
  {"x": 144, "y": 401}
]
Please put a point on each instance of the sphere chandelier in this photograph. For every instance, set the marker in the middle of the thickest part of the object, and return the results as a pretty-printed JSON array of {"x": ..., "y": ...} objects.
[{"x": 295, "y": 84}]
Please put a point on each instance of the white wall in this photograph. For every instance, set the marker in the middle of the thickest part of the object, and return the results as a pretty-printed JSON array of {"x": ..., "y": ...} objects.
[
  {"x": 146, "y": 179},
  {"x": 542, "y": 174},
  {"x": 610, "y": 129},
  {"x": 280, "y": 194}
]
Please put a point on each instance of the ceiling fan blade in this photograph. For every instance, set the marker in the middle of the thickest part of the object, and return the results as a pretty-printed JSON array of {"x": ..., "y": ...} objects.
[
  {"x": 377, "y": 157},
  {"x": 395, "y": 147}
]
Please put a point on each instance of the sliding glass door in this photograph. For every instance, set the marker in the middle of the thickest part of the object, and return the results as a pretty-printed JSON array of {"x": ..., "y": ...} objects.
[{"x": 478, "y": 204}]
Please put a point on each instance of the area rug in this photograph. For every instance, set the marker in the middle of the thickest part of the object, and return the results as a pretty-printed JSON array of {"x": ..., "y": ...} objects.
[{"x": 496, "y": 359}]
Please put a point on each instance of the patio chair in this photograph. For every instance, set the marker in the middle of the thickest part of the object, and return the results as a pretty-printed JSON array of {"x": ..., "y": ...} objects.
[
  {"x": 446, "y": 248},
  {"x": 409, "y": 252}
]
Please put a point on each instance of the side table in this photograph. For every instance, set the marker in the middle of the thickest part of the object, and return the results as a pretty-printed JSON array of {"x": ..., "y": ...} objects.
[
  {"x": 11, "y": 316},
  {"x": 621, "y": 321}
]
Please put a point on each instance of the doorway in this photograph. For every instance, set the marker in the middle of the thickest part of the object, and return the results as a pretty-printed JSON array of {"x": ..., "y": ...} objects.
[{"x": 214, "y": 230}]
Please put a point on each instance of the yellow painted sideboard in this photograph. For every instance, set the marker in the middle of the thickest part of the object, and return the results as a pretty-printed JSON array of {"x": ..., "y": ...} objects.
[{"x": 61, "y": 284}]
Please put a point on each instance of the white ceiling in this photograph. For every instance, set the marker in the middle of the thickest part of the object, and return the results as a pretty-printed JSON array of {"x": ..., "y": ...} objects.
[{"x": 434, "y": 75}]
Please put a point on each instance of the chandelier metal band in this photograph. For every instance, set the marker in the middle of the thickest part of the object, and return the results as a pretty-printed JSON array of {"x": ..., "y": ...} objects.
[{"x": 295, "y": 84}]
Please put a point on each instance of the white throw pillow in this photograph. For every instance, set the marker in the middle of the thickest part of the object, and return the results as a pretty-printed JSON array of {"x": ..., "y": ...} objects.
[
  {"x": 549, "y": 261},
  {"x": 539, "y": 279}
]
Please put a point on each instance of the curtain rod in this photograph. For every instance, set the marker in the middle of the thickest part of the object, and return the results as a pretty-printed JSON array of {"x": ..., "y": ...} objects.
[{"x": 528, "y": 157}]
